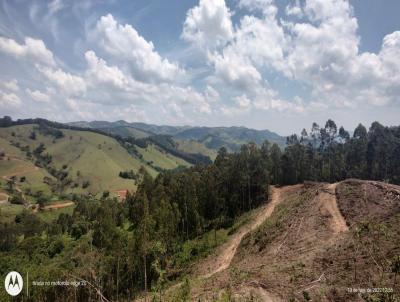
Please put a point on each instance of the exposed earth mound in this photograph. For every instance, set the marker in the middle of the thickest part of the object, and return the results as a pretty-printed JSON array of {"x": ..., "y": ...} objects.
[{"x": 321, "y": 242}]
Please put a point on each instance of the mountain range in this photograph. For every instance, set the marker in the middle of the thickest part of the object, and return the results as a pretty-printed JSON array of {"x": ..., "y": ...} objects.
[{"x": 212, "y": 137}]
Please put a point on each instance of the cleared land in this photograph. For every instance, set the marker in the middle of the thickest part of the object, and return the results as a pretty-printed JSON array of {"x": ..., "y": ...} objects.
[{"x": 311, "y": 241}]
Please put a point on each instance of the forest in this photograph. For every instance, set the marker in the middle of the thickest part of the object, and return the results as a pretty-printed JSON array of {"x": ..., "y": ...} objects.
[{"x": 142, "y": 244}]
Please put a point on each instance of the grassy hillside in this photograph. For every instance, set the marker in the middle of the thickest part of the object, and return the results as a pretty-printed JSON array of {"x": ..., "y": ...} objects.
[
  {"x": 126, "y": 131},
  {"x": 15, "y": 164},
  {"x": 229, "y": 137},
  {"x": 120, "y": 128},
  {"x": 86, "y": 156},
  {"x": 195, "y": 147},
  {"x": 211, "y": 137},
  {"x": 155, "y": 156}
]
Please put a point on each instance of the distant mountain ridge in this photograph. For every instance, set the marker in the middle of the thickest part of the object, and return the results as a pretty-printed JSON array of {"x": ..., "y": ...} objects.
[{"x": 212, "y": 137}]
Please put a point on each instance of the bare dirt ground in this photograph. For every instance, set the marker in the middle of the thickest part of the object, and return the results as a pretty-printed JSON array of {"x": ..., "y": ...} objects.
[
  {"x": 54, "y": 206},
  {"x": 225, "y": 253},
  {"x": 303, "y": 242},
  {"x": 58, "y": 205},
  {"x": 4, "y": 198},
  {"x": 215, "y": 267},
  {"x": 18, "y": 172},
  {"x": 277, "y": 261},
  {"x": 62, "y": 204},
  {"x": 327, "y": 197},
  {"x": 222, "y": 258}
]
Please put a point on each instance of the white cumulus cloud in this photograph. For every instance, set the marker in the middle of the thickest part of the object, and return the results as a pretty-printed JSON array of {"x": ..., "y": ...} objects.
[
  {"x": 208, "y": 24},
  {"x": 38, "y": 96},
  {"x": 68, "y": 83},
  {"x": 124, "y": 43},
  {"x": 32, "y": 49},
  {"x": 9, "y": 100},
  {"x": 11, "y": 85}
]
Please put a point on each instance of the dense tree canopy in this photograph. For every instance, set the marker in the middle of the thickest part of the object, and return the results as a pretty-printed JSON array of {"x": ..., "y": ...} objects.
[{"x": 329, "y": 155}]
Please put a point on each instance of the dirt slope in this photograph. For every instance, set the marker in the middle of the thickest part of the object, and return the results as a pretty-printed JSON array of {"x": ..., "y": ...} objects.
[
  {"x": 223, "y": 257},
  {"x": 311, "y": 242},
  {"x": 4, "y": 198},
  {"x": 328, "y": 200},
  {"x": 320, "y": 241},
  {"x": 19, "y": 172}
]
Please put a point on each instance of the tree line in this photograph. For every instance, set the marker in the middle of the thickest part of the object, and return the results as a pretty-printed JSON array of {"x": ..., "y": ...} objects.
[{"x": 331, "y": 154}]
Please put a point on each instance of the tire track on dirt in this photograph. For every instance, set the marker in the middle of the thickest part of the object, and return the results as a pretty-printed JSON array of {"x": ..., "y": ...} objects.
[
  {"x": 224, "y": 258},
  {"x": 328, "y": 198}
]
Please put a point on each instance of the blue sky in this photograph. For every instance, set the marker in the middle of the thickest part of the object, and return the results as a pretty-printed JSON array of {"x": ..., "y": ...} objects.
[{"x": 265, "y": 64}]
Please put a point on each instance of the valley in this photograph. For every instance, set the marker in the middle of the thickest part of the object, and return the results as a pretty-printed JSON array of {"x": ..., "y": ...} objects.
[
  {"x": 168, "y": 217},
  {"x": 200, "y": 151}
]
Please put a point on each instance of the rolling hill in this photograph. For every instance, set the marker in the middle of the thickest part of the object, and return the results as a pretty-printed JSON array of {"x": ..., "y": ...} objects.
[
  {"x": 92, "y": 161},
  {"x": 191, "y": 146},
  {"x": 212, "y": 138},
  {"x": 230, "y": 137}
]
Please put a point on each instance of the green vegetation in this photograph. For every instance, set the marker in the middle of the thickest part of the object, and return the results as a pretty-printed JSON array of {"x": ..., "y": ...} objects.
[
  {"x": 170, "y": 218},
  {"x": 195, "y": 147},
  {"x": 329, "y": 154},
  {"x": 70, "y": 159},
  {"x": 156, "y": 157},
  {"x": 161, "y": 229}
]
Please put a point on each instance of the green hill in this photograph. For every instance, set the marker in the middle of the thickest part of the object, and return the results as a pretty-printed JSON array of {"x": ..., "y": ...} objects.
[
  {"x": 191, "y": 146},
  {"x": 121, "y": 128},
  {"x": 91, "y": 161},
  {"x": 231, "y": 138},
  {"x": 158, "y": 157}
]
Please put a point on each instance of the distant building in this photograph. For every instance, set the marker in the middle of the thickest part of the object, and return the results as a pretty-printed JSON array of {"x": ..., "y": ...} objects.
[{"x": 121, "y": 194}]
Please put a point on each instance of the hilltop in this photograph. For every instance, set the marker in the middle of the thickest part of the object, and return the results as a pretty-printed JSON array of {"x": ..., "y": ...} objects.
[{"x": 313, "y": 241}]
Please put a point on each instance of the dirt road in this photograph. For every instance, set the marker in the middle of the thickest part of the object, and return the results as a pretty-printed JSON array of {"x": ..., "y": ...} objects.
[
  {"x": 60, "y": 205},
  {"x": 223, "y": 256},
  {"x": 7, "y": 177},
  {"x": 329, "y": 202},
  {"x": 227, "y": 250}
]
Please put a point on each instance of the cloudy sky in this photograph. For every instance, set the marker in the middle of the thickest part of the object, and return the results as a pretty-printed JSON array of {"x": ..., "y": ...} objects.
[{"x": 264, "y": 64}]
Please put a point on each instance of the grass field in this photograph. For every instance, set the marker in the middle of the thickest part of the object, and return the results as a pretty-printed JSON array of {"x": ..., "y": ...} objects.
[
  {"x": 9, "y": 211},
  {"x": 160, "y": 158},
  {"x": 50, "y": 215},
  {"x": 23, "y": 168},
  {"x": 86, "y": 156},
  {"x": 195, "y": 147}
]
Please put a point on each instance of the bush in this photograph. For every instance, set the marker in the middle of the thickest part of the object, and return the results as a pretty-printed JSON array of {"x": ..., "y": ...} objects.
[
  {"x": 55, "y": 248},
  {"x": 85, "y": 184},
  {"x": 128, "y": 174},
  {"x": 17, "y": 199},
  {"x": 32, "y": 136}
]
